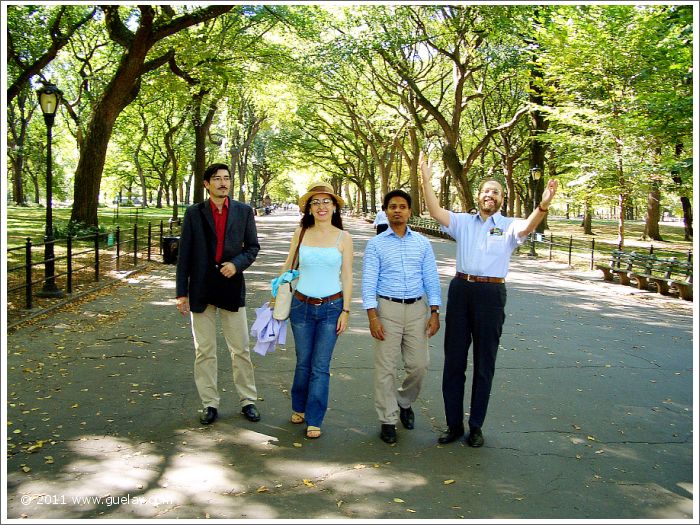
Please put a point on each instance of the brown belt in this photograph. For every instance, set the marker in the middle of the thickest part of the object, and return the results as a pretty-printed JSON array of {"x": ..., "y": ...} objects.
[
  {"x": 317, "y": 300},
  {"x": 480, "y": 278}
]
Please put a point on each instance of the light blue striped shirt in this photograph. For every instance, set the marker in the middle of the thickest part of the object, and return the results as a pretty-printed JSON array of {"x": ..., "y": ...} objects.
[
  {"x": 399, "y": 267},
  {"x": 484, "y": 247}
]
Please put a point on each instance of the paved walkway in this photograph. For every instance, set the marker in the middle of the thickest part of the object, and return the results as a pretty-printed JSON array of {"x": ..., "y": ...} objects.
[{"x": 591, "y": 414}]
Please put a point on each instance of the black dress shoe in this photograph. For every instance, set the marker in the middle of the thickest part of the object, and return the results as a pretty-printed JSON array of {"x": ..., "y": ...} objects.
[
  {"x": 407, "y": 417},
  {"x": 388, "y": 434},
  {"x": 208, "y": 416},
  {"x": 452, "y": 434},
  {"x": 251, "y": 413},
  {"x": 476, "y": 438}
]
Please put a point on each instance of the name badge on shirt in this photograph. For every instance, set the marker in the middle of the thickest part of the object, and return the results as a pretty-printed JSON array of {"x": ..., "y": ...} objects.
[{"x": 495, "y": 232}]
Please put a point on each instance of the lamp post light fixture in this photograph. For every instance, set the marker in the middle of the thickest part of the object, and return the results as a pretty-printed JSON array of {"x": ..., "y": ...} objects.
[
  {"x": 535, "y": 174},
  {"x": 49, "y": 100}
]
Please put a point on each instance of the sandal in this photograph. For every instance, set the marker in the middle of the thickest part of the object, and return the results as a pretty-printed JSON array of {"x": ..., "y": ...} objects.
[
  {"x": 297, "y": 418},
  {"x": 313, "y": 432}
]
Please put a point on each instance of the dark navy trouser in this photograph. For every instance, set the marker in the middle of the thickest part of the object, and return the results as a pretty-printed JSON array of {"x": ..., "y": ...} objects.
[{"x": 475, "y": 315}]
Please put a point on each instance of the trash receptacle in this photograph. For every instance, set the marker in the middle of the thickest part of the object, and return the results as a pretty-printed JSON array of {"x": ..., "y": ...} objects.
[{"x": 170, "y": 244}]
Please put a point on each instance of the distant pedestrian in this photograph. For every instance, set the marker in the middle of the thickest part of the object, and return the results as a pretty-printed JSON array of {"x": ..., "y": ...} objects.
[
  {"x": 476, "y": 298},
  {"x": 401, "y": 293},
  {"x": 321, "y": 304},
  {"x": 218, "y": 242},
  {"x": 381, "y": 223}
]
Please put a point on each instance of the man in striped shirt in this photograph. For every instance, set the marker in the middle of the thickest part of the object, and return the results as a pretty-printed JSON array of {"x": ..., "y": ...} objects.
[{"x": 401, "y": 293}]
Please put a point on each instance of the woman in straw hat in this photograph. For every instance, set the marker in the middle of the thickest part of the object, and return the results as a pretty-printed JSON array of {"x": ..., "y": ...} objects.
[{"x": 321, "y": 304}]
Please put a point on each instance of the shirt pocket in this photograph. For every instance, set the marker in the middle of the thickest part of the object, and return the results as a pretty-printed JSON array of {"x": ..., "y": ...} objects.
[{"x": 496, "y": 245}]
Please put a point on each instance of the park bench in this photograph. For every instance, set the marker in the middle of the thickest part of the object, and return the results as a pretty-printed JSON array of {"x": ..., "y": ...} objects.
[
  {"x": 619, "y": 264},
  {"x": 647, "y": 271},
  {"x": 666, "y": 274}
]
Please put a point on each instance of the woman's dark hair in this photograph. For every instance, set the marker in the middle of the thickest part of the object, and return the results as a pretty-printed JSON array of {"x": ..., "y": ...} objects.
[
  {"x": 307, "y": 220},
  {"x": 213, "y": 169}
]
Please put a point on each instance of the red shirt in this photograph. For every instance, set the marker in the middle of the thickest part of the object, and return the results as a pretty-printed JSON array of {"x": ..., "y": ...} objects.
[{"x": 220, "y": 218}]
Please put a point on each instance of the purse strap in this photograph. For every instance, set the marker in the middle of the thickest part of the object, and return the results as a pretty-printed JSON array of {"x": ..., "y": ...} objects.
[{"x": 295, "y": 262}]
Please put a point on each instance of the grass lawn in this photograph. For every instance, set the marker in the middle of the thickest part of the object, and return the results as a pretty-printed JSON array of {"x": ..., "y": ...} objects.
[
  {"x": 606, "y": 231},
  {"x": 30, "y": 221}
]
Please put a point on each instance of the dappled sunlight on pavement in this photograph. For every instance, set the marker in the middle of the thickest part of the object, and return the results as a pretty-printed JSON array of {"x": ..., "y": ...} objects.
[{"x": 591, "y": 413}]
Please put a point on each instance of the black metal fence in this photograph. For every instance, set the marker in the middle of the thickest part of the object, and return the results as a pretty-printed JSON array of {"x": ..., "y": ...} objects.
[
  {"x": 80, "y": 262},
  {"x": 583, "y": 252}
]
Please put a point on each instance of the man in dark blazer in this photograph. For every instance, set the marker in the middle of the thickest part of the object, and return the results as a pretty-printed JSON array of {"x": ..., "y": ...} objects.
[{"x": 217, "y": 243}]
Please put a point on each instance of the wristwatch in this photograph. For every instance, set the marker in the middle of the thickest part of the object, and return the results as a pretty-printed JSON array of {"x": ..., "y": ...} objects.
[{"x": 434, "y": 310}]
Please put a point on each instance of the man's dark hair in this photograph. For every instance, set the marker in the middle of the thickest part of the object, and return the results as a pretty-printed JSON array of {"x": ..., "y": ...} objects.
[
  {"x": 396, "y": 193},
  {"x": 213, "y": 169}
]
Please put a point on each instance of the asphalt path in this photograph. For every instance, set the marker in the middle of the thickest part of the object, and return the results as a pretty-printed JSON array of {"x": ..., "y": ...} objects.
[{"x": 591, "y": 413}]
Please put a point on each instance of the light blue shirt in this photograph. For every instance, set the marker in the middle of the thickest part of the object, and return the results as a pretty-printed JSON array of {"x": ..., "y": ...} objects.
[
  {"x": 399, "y": 267},
  {"x": 319, "y": 270},
  {"x": 484, "y": 247}
]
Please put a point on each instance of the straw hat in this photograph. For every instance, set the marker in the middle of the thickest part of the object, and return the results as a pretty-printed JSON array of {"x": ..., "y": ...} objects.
[{"x": 319, "y": 187}]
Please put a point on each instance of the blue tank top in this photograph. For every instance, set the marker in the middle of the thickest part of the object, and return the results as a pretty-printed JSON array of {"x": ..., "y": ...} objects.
[{"x": 319, "y": 270}]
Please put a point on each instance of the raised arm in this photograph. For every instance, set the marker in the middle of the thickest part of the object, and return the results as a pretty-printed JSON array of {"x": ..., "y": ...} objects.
[
  {"x": 538, "y": 213},
  {"x": 436, "y": 212}
]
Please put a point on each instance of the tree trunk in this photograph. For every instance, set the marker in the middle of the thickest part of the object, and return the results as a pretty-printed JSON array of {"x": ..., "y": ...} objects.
[
  {"x": 587, "y": 222},
  {"x": 685, "y": 201},
  {"x": 119, "y": 93},
  {"x": 623, "y": 194},
  {"x": 450, "y": 158},
  {"x": 17, "y": 189},
  {"x": 201, "y": 131},
  {"x": 137, "y": 163},
  {"x": 651, "y": 228},
  {"x": 687, "y": 218}
]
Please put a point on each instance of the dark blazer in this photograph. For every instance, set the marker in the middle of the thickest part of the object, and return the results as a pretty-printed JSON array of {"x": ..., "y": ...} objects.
[{"x": 196, "y": 268}]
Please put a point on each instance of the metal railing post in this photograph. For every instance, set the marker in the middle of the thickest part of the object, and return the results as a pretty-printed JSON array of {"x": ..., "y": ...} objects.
[
  {"x": 97, "y": 256},
  {"x": 69, "y": 264},
  {"x": 118, "y": 240},
  {"x": 571, "y": 245},
  {"x": 160, "y": 241},
  {"x": 149, "y": 241},
  {"x": 28, "y": 274},
  {"x": 592, "y": 253},
  {"x": 136, "y": 243}
]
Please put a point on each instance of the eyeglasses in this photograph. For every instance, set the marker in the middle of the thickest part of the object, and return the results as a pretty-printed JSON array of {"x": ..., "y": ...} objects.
[
  {"x": 318, "y": 202},
  {"x": 217, "y": 180}
]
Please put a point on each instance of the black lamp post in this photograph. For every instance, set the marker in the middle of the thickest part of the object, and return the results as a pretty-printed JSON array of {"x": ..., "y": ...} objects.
[
  {"x": 49, "y": 99},
  {"x": 535, "y": 174}
]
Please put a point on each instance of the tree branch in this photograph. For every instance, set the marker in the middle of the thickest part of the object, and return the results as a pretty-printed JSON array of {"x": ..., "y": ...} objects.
[{"x": 116, "y": 29}]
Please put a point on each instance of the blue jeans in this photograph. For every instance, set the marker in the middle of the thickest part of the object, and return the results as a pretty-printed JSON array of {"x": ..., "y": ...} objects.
[{"x": 314, "y": 329}]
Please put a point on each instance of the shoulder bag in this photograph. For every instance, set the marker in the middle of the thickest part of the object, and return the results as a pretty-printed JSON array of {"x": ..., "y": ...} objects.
[{"x": 285, "y": 291}]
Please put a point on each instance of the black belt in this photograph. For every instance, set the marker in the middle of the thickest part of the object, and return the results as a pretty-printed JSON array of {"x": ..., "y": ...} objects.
[
  {"x": 403, "y": 301},
  {"x": 480, "y": 278},
  {"x": 317, "y": 300}
]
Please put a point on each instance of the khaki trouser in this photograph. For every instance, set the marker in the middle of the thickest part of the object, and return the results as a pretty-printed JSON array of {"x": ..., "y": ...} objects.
[
  {"x": 235, "y": 328},
  {"x": 404, "y": 336}
]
